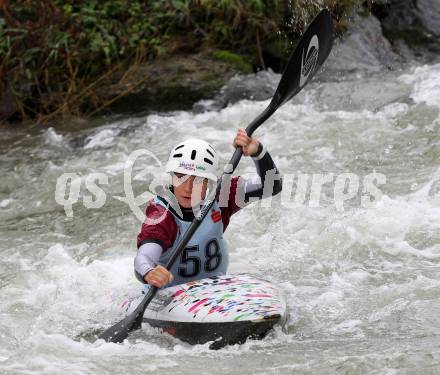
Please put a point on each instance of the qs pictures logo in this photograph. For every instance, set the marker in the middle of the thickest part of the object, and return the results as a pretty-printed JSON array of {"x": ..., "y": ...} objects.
[{"x": 71, "y": 188}]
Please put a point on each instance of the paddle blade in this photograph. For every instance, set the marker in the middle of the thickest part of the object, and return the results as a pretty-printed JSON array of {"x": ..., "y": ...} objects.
[
  {"x": 310, "y": 53},
  {"x": 119, "y": 332}
]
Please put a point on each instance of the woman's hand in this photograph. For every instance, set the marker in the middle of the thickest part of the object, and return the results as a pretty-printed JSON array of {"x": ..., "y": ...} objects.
[
  {"x": 159, "y": 277},
  {"x": 248, "y": 144}
]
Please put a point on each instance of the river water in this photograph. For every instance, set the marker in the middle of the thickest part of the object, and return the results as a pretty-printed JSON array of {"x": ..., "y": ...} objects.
[{"x": 362, "y": 281}]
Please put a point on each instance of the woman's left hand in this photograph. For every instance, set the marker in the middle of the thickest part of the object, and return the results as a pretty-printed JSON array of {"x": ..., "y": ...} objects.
[{"x": 248, "y": 144}]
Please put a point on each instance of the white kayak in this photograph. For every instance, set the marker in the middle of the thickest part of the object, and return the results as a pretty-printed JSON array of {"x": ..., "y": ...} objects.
[{"x": 224, "y": 309}]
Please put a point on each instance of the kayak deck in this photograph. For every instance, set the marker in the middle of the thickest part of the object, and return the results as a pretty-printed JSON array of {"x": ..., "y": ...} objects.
[{"x": 224, "y": 309}]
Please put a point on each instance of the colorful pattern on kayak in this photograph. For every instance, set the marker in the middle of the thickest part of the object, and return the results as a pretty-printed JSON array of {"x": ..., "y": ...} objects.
[
  {"x": 257, "y": 300},
  {"x": 227, "y": 298}
]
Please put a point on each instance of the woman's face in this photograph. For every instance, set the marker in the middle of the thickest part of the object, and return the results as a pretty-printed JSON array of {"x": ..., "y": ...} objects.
[{"x": 189, "y": 190}]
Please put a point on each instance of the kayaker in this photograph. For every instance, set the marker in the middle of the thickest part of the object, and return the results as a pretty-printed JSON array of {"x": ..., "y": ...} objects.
[{"x": 193, "y": 168}]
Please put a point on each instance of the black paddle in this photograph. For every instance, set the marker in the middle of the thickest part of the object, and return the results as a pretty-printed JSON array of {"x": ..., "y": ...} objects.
[{"x": 310, "y": 53}]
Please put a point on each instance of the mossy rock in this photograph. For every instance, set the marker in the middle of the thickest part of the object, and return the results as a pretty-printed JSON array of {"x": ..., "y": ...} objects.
[
  {"x": 232, "y": 58},
  {"x": 169, "y": 84}
]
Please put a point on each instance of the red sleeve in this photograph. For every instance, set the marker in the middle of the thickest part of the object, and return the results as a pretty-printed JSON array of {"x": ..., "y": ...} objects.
[
  {"x": 159, "y": 226},
  {"x": 232, "y": 206}
]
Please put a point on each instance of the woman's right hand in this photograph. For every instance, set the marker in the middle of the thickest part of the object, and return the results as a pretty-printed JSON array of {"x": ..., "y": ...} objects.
[{"x": 158, "y": 277}]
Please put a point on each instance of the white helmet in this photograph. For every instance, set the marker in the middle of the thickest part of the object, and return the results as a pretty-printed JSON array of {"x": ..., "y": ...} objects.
[{"x": 194, "y": 157}]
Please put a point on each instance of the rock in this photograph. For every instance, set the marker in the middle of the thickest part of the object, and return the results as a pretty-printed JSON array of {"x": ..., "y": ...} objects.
[
  {"x": 169, "y": 84},
  {"x": 367, "y": 94},
  {"x": 413, "y": 23},
  {"x": 8, "y": 106},
  {"x": 256, "y": 86},
  {"x": 429, "y": 15},
  {"x": 362, "y": 49}
]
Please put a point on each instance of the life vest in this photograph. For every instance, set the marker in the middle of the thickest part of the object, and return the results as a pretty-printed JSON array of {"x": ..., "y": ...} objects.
[{"x": 205, "y": 255}]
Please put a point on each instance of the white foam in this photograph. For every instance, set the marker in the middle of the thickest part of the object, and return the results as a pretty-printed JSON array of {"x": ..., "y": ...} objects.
[
  {"x": 103, "y": 138},
  {"x": 53, "y": 137},
  {"x": 426, "y": 81},
  {"x": 6, "y": 202}
]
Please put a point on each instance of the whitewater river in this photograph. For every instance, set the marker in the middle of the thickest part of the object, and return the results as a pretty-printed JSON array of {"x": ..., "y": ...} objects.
[{"x": 362, "y": 281}]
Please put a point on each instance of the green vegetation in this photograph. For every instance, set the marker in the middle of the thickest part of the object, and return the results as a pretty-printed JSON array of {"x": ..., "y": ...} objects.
[
  {"x": 233, "y": 59},
  {"x": 55, "y": 54}
]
